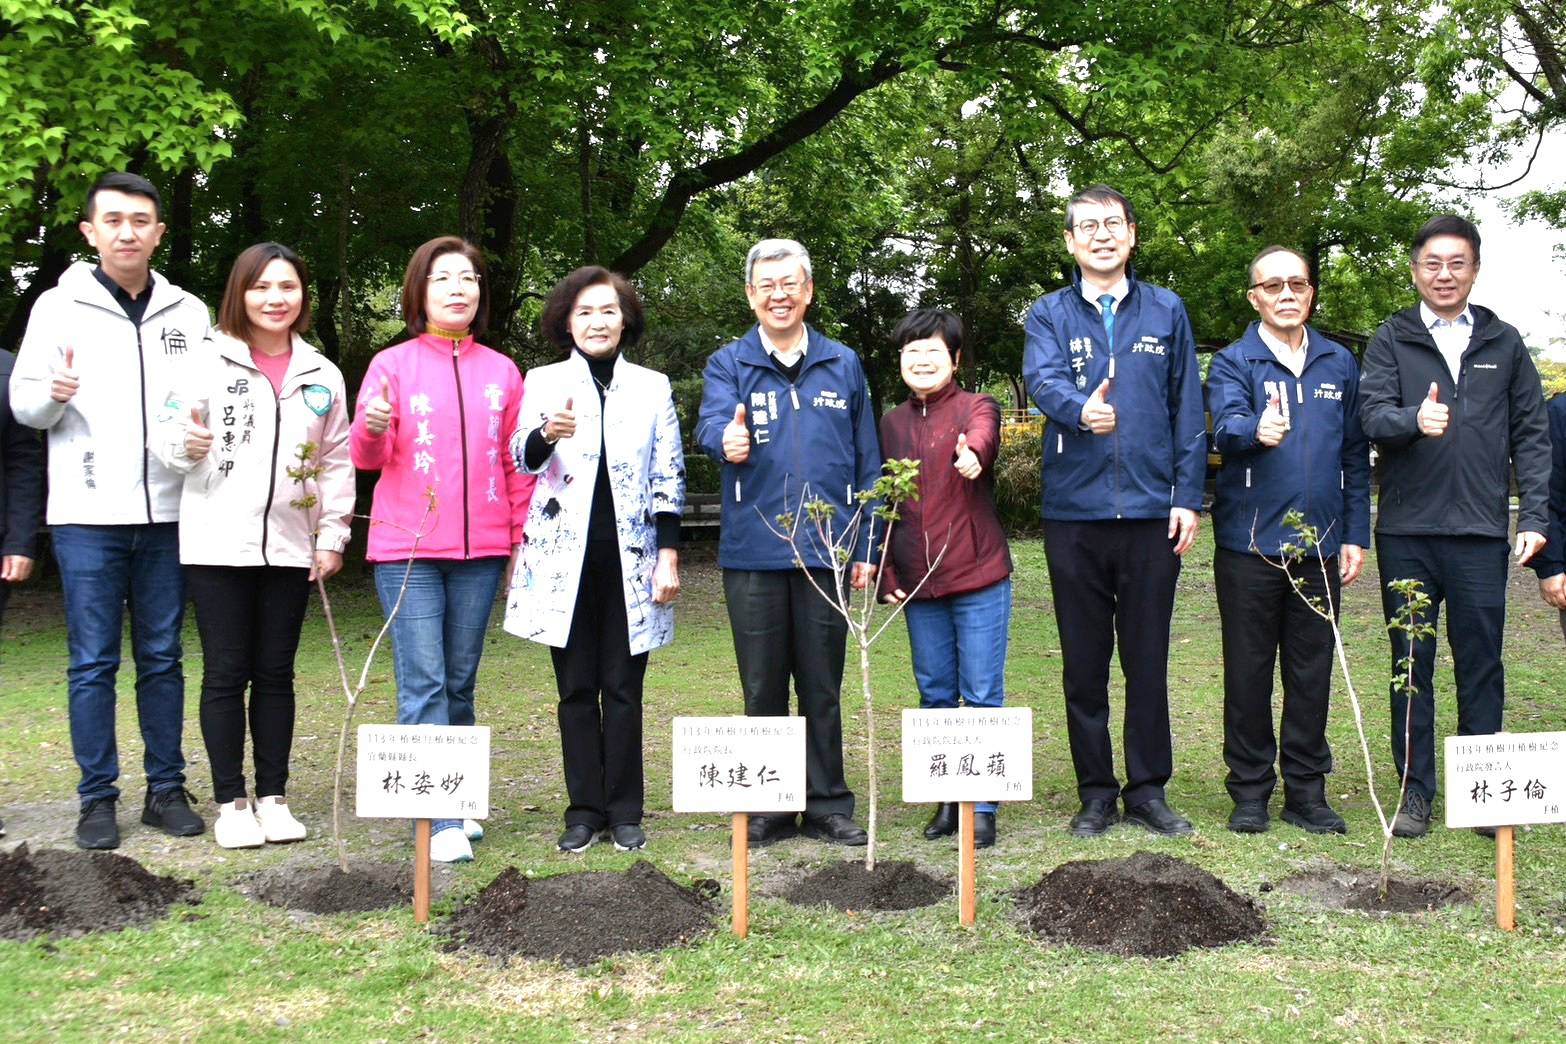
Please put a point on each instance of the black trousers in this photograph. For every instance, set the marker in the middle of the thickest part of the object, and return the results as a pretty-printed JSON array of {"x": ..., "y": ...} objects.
[
  {"x": 1469, "y": 575},
  {"x": 600, "y": 687},
  {"x": 249, "y": 619},
  {"x": 1115, "y": 580},
  {"x": 783, "y": 628},
  {"x": 1262, "y": 617}
]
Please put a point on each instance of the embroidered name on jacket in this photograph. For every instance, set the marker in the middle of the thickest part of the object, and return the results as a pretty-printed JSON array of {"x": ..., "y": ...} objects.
[
  {"x": 830, "y": 399},
  {"x": 1328, "y": 390},
  {"x": 1149, "y": 346},
  {"x": 1081, "y": 352},
  {"x": 173, "y": 342}
]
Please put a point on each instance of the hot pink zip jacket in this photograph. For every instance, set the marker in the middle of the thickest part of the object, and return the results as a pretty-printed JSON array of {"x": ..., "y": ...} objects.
[{"x": 454, "y": 407}]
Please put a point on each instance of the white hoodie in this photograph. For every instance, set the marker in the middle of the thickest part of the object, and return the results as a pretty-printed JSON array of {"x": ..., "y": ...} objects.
[
  {"x": 100, "y": 469},
  {"x": 241, "y": 507}
]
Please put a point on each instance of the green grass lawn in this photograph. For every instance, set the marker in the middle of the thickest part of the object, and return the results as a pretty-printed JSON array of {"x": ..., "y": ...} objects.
[{"x": 229, "y": 968}]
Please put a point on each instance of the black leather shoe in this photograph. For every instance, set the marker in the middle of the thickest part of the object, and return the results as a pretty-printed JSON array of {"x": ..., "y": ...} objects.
[
  {"x": 1413, "y": 818},
  {"x": 764, "y": 830},
  {"x": 984, "y": 830},
  {"x": 628, "y": 837},
  {"x": 943, "y": 823},
  {"x": 835, "y": 829},
  {"x": 96, "y": 827},
  {"x": 1315, "y": 817},
  {"x": 1155, "y": 815},
  {"x": 1094, "y": 817},
  {"x": 1250, "y": 817},
  {"x": 578, "y": 837},
  {"x": 170, "y": 812}
]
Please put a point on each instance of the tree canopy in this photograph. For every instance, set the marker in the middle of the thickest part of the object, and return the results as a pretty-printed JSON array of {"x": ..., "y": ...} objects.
[{"x": 920, "y": 148}]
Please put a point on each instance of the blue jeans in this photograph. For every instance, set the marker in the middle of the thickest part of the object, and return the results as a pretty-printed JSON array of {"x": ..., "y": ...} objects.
[
  {"x": 104, "y": 569},
  {"x": 438, "y": 636},
  {"x": 959, "y": 649}
]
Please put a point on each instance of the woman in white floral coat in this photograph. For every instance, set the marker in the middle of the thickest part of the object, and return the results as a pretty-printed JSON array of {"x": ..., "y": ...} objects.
[{"x": 599, "y": 568}]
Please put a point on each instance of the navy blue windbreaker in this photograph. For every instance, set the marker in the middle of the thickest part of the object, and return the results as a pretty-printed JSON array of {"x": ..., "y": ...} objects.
[
  {"x": 1322, "y": 466},
  {"x": 1156, "y": 457},
  {"x": 817, "y": 433}
]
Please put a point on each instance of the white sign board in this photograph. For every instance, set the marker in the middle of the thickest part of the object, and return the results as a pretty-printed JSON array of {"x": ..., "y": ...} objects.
[
  {"x": 739, "y": 764},
  {"x": 422, "y": 772},
  {"x": 1506, "y": 779},
  {"x": 968, "y": 754}
]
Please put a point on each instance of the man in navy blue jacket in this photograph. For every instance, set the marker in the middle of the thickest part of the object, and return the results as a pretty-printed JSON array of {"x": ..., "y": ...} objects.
[
  {"x": 787, "y": 413},
  {"x": 1111, "y": 362},
  {"x": 1550, "y": 564},
  {"x": 1285, "y": 407}
]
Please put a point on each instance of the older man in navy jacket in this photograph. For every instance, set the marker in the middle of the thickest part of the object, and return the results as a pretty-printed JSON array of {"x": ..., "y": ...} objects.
[
  {"x": 1112, "y": 363},
  {"x": 1285, "y": 406},
  {"x": 787, "y": 413}
]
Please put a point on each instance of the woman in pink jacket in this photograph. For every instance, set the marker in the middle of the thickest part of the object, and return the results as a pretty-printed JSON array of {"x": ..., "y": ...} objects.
[{"x": 434, "y": 417}]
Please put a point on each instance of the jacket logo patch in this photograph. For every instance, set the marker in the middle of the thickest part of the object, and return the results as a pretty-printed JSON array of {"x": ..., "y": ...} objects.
[
  {"x": 830, "y": 399},
  {"x": 173, "y": 342},
  {"x": 1149, "y": 346},
  {"x": 319, "y": 398},
  {"x": 1486, "y": 366},
  {"x": 1327, "y": 390}
]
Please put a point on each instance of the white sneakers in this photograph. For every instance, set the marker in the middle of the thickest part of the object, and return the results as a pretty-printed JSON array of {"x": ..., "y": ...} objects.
[
  {"x": 237, "y": 826},
  {"x": 473, "y": 830},
  {"x": 243, "y": 825},
  {"x": 450, "y": 846},
  {"x": 277, "y": 822}
]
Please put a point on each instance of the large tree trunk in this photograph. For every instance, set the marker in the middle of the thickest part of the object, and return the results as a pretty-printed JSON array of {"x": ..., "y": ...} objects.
[
  {"x": 55, "y": 257},
  {"x": 181, "y": 231}
]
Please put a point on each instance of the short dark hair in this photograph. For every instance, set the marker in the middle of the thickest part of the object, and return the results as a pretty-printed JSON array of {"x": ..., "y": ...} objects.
[
  {"x": 930, "y": 322},
  {"x": 556, "y": 320},
  {"x": 415, "y": 282},
  {"x": 1446, "y": 225},
  {"x": 130, "y": 184},
  {"x": 247, "y": 268},
  {"x": 1103, "y": 195},
  {"x": 1268, "y": 251}
]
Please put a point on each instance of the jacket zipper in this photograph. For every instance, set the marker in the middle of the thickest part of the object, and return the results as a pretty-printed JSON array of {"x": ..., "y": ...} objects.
[
  {"x": 462, "y": 428},
  {"x": 141, "y": 370}
]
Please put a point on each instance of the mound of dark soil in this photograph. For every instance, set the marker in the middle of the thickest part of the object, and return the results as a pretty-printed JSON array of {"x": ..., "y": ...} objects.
[
  {"x": 327, "y": 890},
  {"x": 1146, "y": 905},
  {"x": 849, "y": 886},
  {"x": 582, "y": 917},
  {"x": 1361, "y": 890},
  {"x": 58, "y": 892}
]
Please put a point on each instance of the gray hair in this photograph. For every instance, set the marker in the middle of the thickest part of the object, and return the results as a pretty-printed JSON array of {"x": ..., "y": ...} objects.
[{"x": 776, "y": 250}]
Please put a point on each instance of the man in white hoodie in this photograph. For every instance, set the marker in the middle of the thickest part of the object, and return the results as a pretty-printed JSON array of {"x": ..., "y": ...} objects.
[{"x": 100, "y": 351}]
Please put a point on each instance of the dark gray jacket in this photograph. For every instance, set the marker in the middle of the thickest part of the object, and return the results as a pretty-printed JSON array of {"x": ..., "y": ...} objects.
[
  {"x": 1458, "y": 484},
  {"x": 21, "y": 475}
]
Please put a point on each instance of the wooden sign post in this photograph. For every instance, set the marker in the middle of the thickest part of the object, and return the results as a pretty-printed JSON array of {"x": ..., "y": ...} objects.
[
  {"x": 1504, "y": 781},
  {"x": 725, "y": 763},
  {"x": 423, "y": 773},
  {"x": 967, "y": 755}
]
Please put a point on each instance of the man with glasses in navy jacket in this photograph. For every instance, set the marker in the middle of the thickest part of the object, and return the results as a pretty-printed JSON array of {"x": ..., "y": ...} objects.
[{"x": 1111, "y": 361}]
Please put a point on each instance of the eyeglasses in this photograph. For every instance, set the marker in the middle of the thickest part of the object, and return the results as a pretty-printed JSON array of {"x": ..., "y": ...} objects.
[
  {"x": 790, "y": 286},
  {"x": 1457, "y": 266},
  {"x": 1274, "y": 287},
  {"x": 1115, "y": 226},
  {"x": 466, "y": 280}
]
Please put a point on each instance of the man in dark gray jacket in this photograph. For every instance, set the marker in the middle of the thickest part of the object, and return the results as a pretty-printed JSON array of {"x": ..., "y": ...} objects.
[{"x": 1452, "y": 399}]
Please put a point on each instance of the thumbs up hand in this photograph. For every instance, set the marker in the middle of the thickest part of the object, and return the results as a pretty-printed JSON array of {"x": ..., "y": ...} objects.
[
  {"x": 198, "y": 437},
  {"x": 62, "y": 388},
  {"x": 561, "y": 424},
  {"x": 736, "y": 438},
  {"x": 1098, "y": 416},
  {"x": 1433, "y": 415},
  {"x": 966, "y": 461},
  {"x": 378, "y": 411},
  {"x": 1273, "y": 425}
]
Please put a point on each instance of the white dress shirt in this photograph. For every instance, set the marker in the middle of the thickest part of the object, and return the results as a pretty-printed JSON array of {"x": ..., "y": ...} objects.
[{"x": 1451, "y": 337}]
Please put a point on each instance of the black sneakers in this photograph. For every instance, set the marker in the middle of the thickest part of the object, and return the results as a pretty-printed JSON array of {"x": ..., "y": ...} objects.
[
  {"x": 628, "y": 837},
  {"x": 578, "y": 837},
  {"x": 170, "y": 812},
  {"x": 95, "y": 828}
]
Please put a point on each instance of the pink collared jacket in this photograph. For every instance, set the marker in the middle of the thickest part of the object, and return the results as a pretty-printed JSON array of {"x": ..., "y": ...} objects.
[{"x": 454, "y": 407}]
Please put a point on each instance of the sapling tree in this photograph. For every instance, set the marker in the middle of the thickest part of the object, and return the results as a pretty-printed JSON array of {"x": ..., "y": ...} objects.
[
  {"x": 1411, "y": 617},
  {"x": 308, "y": 469},
  {"x": 812, "y": 524}
]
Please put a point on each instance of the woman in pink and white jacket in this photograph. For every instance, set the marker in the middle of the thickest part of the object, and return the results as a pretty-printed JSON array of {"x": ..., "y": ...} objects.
[{"x": 435, "y": 414}]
